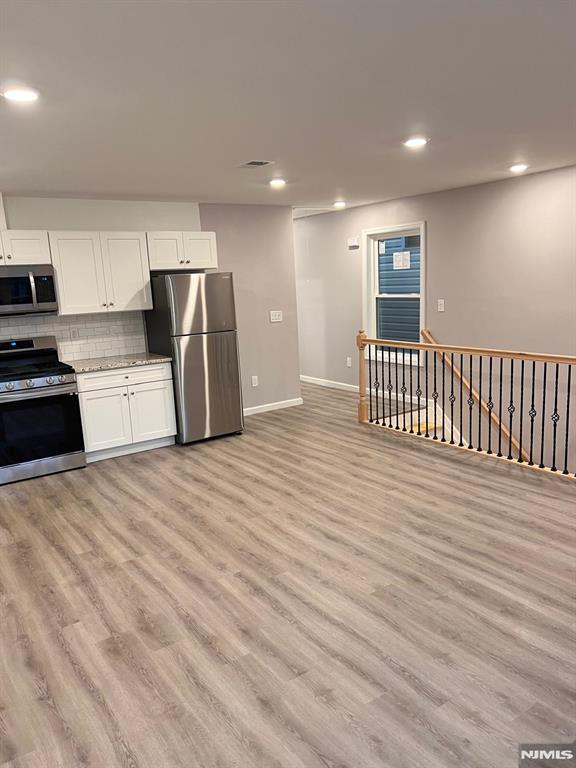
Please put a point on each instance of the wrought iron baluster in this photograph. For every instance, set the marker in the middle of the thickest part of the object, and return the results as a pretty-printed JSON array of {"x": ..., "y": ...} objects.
[
  {"x": 520, "y": 459},
  {"x": 382, "y": 387},
  {"x": 479, "y": 446},
  {"x": 418, "y": 389},
  {"x": 490, "y": 405},
  {"x": 376, "y": 386},
  {"x": 470, "y": 402},
  {"x": 452, "y": 398},
  {"x": 403, "y": 390},
  {"x": 555, "y": 418},
  {"x": 532, "y": 414},
  {"x": 411, "y": 402},
  {"x": 426, "y": 391},
  {"x": 567, "y": 434},
  {"x": 511, "y": 408},
  {"x": 389, "y": 387},
  {"x": 370, "y": 379},
  {"x": 435, "y": 396},
  {"x": 500, "y": 408},
  {"x": 542, "y": 465},
  {"x": 461, "y": 443},
  {"x": 396, "y": 390},
  {"x": 443, "y": 398}
]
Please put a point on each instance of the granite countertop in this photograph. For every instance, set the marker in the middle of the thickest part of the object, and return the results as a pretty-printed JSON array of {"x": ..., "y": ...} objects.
[{"x": 92, "y": 364}]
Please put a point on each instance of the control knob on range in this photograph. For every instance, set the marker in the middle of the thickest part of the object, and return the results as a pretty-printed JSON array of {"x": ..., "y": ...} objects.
[
  {"x": 30, "y": 383},
  {"x": 50, "y": 380},
  {"x": 10, "y": 386},
  {"x": 61, "y": 379}
]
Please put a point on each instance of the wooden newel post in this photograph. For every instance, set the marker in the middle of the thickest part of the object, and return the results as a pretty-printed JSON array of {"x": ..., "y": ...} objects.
[{"x": 362, "y": 404}]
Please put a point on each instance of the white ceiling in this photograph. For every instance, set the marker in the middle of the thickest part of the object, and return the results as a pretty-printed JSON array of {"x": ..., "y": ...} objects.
[{"x": 165, "y": 99}]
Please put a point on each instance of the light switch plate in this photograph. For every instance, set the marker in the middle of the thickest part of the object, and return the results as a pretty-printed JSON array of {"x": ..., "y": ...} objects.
[
  {"x": 440, "y": 305},
  {"x": 254, "y": 381},
  {"x": 276, "y": 316}
]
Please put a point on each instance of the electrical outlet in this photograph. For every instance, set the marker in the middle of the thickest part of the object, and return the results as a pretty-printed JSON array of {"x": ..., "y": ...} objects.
[
  {"x": 440, "y": 305},
  {"x": 276, "y": 316},
  {"x": 254, "y": 381},
  {"x": 74, "y": 334},
  {"x": 348, "y": 362}
]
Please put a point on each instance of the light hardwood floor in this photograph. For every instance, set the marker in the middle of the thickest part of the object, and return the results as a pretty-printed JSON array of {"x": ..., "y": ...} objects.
[{"x": 311, "y": 594}]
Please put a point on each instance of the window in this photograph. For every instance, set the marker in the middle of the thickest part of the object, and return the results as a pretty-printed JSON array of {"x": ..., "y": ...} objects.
[
  {"x": 394, "y": 279},
  {"x": 398, "y": 288}
]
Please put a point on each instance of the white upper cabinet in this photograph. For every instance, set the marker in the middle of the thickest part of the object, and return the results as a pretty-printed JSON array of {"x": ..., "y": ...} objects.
[
  {"x": 25, "y": 246},
  {"x": 126, "y": 271},
  {"x": 101, "y": 271},
  {"x": 182, "y": 250},
  {"x": 166, "y": 250},
  {"x": 200, "y": 250},
  {"x": 77, "y": 259}
]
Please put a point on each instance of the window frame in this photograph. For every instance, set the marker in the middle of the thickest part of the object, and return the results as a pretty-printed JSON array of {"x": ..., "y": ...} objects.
[{"x": 370, "y": 282}]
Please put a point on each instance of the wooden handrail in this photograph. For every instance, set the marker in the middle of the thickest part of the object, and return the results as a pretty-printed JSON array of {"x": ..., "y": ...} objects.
[
  {"x": 362, "y": 341},
  {"x": 498, "y": 423}
]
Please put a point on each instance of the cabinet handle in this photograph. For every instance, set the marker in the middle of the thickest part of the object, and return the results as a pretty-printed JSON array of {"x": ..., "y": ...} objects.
[
  {"x": 132, "y": 393},
  {"x": 187, "y": 261},
  {"x": 111, "y": 304},
  {"x": 8, "y": 256},
  {"x": 124, "y": 394},
  {"x": 104, "y": 305}
]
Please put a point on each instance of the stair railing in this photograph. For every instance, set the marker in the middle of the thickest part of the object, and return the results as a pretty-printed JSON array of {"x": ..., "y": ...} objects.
[{"x": 512, "y": 405}]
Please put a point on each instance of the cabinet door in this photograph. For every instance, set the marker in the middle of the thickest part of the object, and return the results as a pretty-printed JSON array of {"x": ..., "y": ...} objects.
[
  {"x": 26, "y": 246},
  {"x": 106, "y": 418},
  {"x": 200, "y": 250},
  {"x": 77, "y": 260},
  {"x": 126, "y": 271},
  {"x": 165, "y": 250},
  {"x": 152, "y": 410}
]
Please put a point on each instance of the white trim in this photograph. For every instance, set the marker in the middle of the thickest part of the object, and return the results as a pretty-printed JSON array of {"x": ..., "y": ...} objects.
[
  {"x": 272, "y": 406},
  {"x": 328, "y": 383},
  {"x": 124, "y": 450},
  {"x": 368, "y": 243},
  {"x": 3, "y": 224}
]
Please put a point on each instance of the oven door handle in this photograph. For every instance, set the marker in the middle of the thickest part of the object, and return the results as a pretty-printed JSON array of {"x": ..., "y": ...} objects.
[{"x": 31, "y": 394}]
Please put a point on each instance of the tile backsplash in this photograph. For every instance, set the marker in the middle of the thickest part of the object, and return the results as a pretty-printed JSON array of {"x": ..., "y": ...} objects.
[{"x": 82, "y": 336}]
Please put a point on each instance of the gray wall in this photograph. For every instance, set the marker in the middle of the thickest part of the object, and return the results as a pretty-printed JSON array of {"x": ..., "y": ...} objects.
[
  {"x": 255, "y": 242},
  {"x": 502, "y": 255},
  {"x": 78, "y": 213}
]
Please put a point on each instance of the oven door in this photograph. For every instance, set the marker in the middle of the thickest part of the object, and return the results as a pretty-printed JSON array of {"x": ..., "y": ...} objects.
[
  {"x": 40, "y": 432},
  {"x": 24, "y": 290}
]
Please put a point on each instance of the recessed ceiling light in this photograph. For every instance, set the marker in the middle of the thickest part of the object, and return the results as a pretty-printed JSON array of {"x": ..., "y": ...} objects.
[
  {"x": 416, "y": 142},
  {"x": 339, "y": 204},
  {"x": 21, "y": 95},
  {"x": 277, "y": 183},
  {"x": 518, "y": 168}
]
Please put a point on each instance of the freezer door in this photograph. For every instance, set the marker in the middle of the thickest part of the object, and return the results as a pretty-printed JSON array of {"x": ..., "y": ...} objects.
[
  {"x": 201, "y": 303},
  {"x": 207, "y": 385}
]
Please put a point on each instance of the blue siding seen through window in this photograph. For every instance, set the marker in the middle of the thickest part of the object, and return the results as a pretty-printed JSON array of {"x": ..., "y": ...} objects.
[
  {"x": 398, "y": 315},
  {"x": 392, "y": 280}
]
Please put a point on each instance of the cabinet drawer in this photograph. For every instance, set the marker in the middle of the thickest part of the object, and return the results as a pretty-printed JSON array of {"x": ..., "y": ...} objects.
[{"x": 118, "y": 377}]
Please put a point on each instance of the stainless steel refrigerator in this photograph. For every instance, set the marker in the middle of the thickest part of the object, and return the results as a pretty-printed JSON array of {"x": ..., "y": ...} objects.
[{"x": 194, "y": 321}]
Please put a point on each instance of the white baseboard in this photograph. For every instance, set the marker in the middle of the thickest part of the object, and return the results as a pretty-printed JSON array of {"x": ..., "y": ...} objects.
[
  {"x": 328, "y": 383},
  {"x": 123, "y": 450},
  {"x": 272, "y": 406}
]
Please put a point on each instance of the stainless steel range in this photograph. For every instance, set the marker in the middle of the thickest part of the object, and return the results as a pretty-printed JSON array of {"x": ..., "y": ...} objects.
[{"x": 40, "y": 424}]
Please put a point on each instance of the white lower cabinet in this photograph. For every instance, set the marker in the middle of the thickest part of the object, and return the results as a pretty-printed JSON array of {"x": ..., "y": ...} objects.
[
  {"x": 152, "y": 411},
  {"x": 120, "y": 419},
  {"x": 106, "y": 418}
]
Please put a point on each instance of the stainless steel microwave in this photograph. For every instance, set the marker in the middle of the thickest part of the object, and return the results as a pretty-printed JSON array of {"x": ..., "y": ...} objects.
[{"x": 27, "y": 290}]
